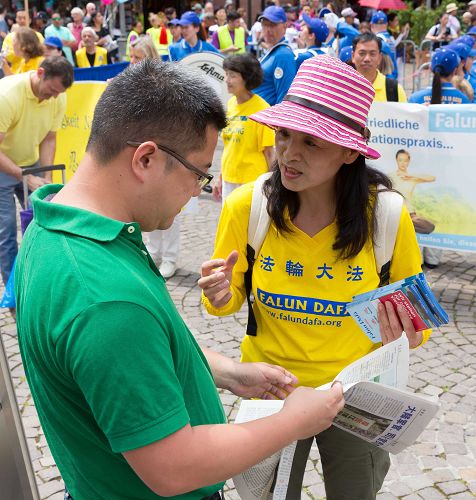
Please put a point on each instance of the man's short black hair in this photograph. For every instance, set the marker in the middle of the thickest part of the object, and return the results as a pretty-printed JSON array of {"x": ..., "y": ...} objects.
[
  {"x": 232, "y": 15},
  {"x": 364, "y": 38},
  {"x": 58, "y": 66},
  {"x": 154, "y": 101},
  {"x": 248, "y": 67}
]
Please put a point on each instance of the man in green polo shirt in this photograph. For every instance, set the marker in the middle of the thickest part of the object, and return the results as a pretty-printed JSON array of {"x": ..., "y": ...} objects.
[{"x": 126, "y": 397}]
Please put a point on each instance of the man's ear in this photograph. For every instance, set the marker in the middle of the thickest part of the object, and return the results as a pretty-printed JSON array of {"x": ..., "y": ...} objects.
[
  {"x": 146, "y": 158},
  {"x": 40, "y": 72}
]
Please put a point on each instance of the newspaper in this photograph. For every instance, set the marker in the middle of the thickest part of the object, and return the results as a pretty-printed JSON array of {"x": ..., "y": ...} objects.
[{"x": 377, "y": 409}]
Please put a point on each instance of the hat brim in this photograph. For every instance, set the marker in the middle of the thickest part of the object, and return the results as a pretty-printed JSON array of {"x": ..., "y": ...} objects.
[{"x": 297, "y": 117}]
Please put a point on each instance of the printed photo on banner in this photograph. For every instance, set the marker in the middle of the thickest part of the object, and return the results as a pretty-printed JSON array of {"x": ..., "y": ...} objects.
[{"x": 427, "y": 152}]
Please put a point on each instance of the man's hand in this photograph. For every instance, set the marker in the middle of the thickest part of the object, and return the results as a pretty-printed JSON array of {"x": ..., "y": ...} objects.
[
  {"x": 216, "y": 279},
  {"x": 34, "y": 182},
  {"x": 261, "y": 380},
  {"x": 394, "y": 323},
  {"x": 312, "y": 411}
]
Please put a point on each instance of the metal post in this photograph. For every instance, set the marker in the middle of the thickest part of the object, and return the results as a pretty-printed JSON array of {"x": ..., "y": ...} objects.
[{"x": 122, "y": 19}]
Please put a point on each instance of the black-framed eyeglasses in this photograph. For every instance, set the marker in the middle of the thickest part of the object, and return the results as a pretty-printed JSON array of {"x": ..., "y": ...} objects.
[{"x": 203, "y": 178}]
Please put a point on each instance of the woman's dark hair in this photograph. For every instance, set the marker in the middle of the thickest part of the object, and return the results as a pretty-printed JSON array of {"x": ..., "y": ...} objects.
[
  {"x": 436, "y": 85},
  {"x": 248, "y": 67},
  {"x": 356, "y": 186},
  {"x": 93, "y": 19},
  {"x": 201, "y": 33}
]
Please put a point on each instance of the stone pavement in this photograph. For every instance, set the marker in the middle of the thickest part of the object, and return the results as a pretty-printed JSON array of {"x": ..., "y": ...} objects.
[{"x": 441, "y": 465}]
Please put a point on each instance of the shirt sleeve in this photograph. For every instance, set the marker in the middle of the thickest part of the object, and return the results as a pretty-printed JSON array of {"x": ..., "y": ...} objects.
[
  {"x": 134, "y": 404},
  {"x": 215, "y": 41},
  {"x": 287, "y": 67},
  {"x": 7, "y": 116},
  {"x": 265, "y": 136},
  {"x": 232, "y": 234},
  {"x": 402, "y": 97}
]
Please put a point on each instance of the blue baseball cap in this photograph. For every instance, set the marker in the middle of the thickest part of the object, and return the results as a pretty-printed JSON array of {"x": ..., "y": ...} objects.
[
  {"x": 53, "y": 41},
  {"x": 345, "y": 55},
  {"x": 462, "y": 49},
  {"x": 446, "y": 59},
  {"x": 188, "y": 18},
  {"x": 318, "y": 27},
  {"x": 468, "y": 39},
  {"x": 472, "y": 31},
  {"x": 324, "y": 11},
  {"x": 379, "y": 18},
  {"x": 273, "y": 14},
  {"x": 173, "y": 22}
]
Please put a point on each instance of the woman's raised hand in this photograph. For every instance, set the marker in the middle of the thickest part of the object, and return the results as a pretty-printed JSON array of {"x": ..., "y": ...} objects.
[{"x": 216, "y": 279}]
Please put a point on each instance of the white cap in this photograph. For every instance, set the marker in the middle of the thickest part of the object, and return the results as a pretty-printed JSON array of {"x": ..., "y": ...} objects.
[{"x": 349, "y": 12}]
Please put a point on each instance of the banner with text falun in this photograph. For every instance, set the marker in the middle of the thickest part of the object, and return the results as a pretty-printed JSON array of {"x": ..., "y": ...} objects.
[{"x": 429, "y": 153}]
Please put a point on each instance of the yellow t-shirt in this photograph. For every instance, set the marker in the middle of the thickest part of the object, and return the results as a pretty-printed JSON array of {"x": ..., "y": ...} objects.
[
  {"x": 24, "y": 120},
  {"x": 244, "y": 140},
  {"x": 381, "y": 93},
  {"x": 7, "y": 46},
  {"x": 301, "y": 291},
  {"x": 31, "y": 65}
]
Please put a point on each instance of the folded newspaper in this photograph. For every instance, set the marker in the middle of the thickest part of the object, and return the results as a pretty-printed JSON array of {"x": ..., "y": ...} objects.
[
  {"x": 413, "y": 293},
  {"x": 377, "y": 409}
]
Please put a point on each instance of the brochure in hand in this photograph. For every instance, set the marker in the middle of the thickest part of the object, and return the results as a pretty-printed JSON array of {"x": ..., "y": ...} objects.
[{"x": 413, "y": 293}]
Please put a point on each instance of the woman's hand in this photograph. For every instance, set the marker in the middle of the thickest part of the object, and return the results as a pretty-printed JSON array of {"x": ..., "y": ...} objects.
[
  {"x": 216, "y": 279},
  {"x": 393, "y": 322}
]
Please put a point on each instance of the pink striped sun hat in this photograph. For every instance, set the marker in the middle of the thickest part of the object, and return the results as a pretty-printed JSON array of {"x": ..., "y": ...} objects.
[{"x": 327, "y": 99}]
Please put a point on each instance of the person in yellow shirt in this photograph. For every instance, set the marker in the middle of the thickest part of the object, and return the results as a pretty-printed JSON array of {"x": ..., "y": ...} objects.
[
  {"x": 231, "y": 38},
  {"x": 90, "y": 54},
  {"x": 366, "y": 57},
  {"x": 28, "y": 47},
  {"x": 22, "y": 21},
  {"x": 317, "y": 254},
  {"x": 160, "y": 35},
  {"x": 248, "y": 146},
  {"x": 32, "y": 108}
]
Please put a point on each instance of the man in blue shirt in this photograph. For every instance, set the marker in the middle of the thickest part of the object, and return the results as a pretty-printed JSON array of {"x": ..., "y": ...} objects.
[
  {"x": 313, "y": 34},
  {"x": 278, "y": 63},
  {"x": 378, "y": 25},
  {"x": 191, "y": 41}
]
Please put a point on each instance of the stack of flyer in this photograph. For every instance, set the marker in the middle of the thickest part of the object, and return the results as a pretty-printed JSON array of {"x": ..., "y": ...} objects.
[{"x": 413, "y": 293}]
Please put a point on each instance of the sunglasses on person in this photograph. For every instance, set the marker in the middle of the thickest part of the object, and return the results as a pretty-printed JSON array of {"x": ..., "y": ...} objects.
[{"x": 203, "y": 178}]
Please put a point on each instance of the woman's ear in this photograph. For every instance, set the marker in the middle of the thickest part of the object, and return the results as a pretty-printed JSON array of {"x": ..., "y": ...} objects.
[{"x": 350, "y": 156}]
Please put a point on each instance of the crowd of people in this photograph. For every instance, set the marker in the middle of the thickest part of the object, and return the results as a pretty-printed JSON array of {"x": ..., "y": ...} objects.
[{"x": 114, "y": 371}]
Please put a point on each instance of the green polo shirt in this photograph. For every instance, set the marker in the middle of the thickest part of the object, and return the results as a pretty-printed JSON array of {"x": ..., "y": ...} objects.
[{"x": 111, "y": 365}]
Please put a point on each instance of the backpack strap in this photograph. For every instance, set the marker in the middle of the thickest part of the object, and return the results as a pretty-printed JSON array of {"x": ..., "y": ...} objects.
[
  {"x": 391, "y": 89},
  {"x": 258, "y": 226},
  {"x": 389, "y": 209}
]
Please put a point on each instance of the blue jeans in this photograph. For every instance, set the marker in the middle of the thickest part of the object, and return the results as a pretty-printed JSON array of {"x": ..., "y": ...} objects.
[{"x": 9, "y": 188}]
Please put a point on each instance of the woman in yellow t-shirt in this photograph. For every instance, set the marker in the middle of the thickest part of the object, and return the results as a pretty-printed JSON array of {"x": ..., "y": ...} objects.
[
  {"x": 248, "y": 146},
  {"x": 27, "y": 46},
  {"x": 317, "y": 254}
]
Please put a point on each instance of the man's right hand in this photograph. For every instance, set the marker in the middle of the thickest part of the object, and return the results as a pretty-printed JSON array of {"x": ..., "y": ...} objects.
[
  {"x": 312, "y": 411},
  {"x": 34, "y": 182},
  {"x": 216, "y": 279}
]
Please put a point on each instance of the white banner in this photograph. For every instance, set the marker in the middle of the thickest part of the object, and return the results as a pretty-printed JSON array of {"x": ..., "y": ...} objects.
[{"x": 430, "y": 154}]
